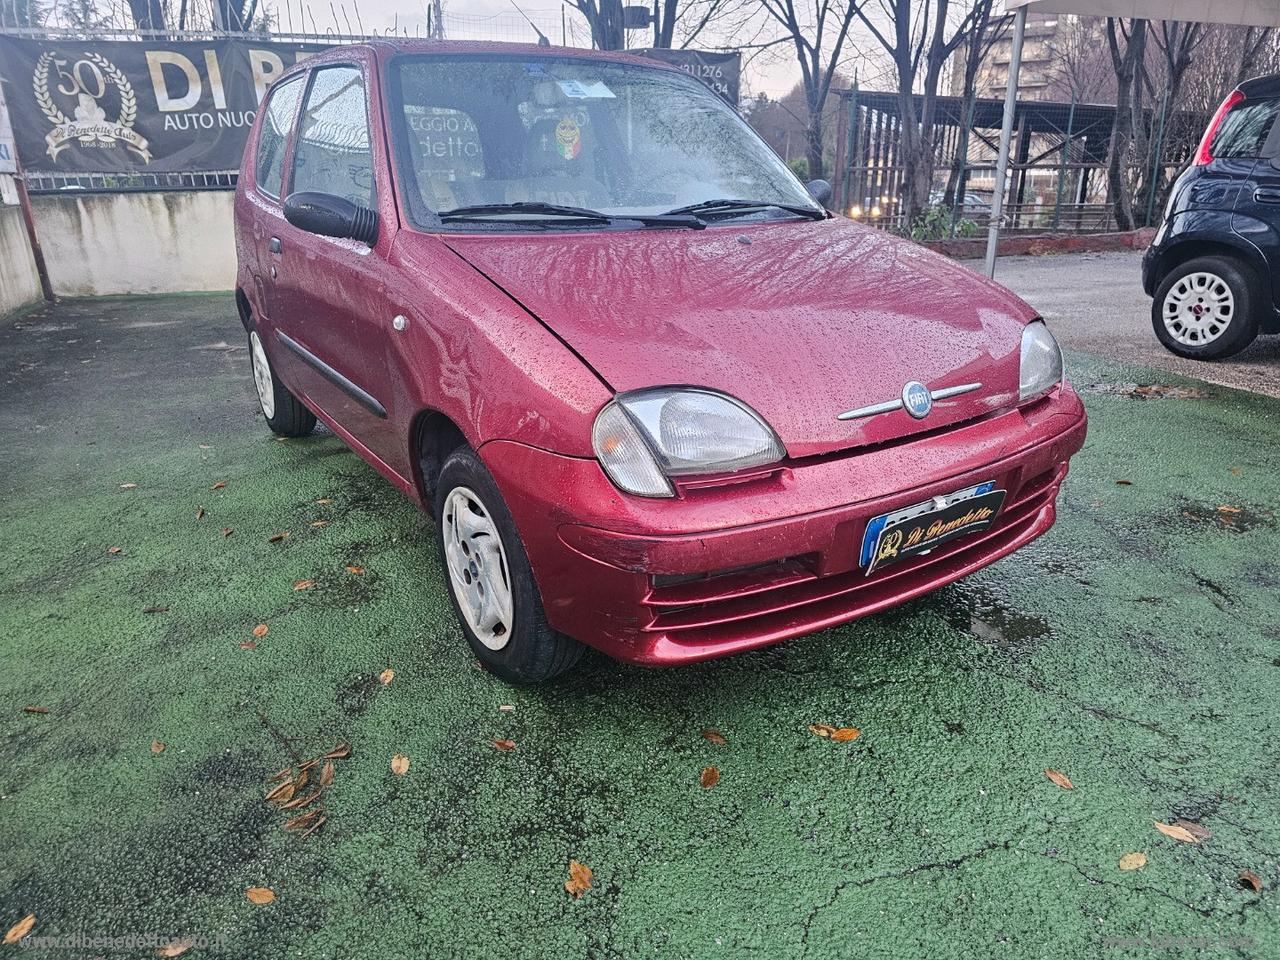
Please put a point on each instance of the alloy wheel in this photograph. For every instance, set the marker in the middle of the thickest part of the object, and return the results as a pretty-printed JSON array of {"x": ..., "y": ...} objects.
[{"x": 478, "y": 569}]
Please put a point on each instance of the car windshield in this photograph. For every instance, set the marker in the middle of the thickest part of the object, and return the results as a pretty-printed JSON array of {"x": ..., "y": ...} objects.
[{"x": 611, "y": 138}]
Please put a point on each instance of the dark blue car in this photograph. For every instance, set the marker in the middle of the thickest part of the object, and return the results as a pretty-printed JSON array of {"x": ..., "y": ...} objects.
[{"x": 1214, "y": 268}]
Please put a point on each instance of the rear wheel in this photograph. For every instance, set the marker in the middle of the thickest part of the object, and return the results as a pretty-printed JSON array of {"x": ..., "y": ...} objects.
[
  {"x": 1207, "y": 308},
  {"x": 284, "y": 413},
  {"x": 490, "y": 580}
]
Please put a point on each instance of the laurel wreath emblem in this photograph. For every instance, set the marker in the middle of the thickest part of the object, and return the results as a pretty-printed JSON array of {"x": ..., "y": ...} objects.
[{"x": 40, "y": 84}]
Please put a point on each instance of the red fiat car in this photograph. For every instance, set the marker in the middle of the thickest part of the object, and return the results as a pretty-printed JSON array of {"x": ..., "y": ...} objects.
[{"x": 658, "y": 400}]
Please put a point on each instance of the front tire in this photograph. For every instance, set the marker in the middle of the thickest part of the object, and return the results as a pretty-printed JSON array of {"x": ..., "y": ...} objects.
[
  {"x": 1207, "y": 308},
  {"x": 284, "y": 413},
  {"x": 491, "y": 583}
]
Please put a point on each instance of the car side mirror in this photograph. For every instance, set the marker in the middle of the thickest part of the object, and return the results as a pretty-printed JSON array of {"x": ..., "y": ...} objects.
[
  {"x": 330, "y": 216},
  {"x": 820, "y": 190}
]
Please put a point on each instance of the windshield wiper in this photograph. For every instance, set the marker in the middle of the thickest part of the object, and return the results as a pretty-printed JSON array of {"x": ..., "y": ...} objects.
[
  {"x": 542, "y": 212},
  {"x": 728, "y": 205}
]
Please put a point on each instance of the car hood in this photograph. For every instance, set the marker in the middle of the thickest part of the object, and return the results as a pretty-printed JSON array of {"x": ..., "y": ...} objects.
[{"x": 801, "y": 320}]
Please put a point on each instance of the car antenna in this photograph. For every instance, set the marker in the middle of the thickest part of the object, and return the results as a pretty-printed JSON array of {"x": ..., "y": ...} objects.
[{"x": 542, "y": 37}]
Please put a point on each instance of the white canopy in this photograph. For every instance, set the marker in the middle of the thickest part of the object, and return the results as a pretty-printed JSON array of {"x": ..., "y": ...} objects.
[{"x": 1247, "y": 13}]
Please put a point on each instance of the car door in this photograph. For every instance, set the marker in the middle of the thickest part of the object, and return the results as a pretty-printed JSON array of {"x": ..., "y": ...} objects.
[
  {"x": 334, "y": 291},
  {"x": 264, "y": 198},
  {"x": 1256, "y": 136}
]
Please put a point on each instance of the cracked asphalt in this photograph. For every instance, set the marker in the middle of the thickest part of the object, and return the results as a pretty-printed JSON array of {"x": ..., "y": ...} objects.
[{"x": 1134, "y": 648}]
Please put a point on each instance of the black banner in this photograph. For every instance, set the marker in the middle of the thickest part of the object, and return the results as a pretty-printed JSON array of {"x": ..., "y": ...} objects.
[
  {"x": 722, "y": 72},
  {"x": 125, "y": 106}
]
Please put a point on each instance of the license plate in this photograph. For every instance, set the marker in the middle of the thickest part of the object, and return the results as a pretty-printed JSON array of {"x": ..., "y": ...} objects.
[{"x": 918, "y": 529}]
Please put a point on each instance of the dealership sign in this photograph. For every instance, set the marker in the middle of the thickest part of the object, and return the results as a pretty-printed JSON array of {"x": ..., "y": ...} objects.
[{"x": 122, "y": 106}]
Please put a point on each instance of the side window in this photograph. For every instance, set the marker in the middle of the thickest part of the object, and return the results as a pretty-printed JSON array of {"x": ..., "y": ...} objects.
[
  {"x": 1244, "y": 130},
  {"x": 332, "y": 153},
  {"x": 282, "y": 108}
]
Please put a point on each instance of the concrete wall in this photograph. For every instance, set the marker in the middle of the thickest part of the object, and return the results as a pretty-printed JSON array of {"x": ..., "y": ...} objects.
[
  {"x": 170, "y": 241},
  {"x": 19, "y": 282}
]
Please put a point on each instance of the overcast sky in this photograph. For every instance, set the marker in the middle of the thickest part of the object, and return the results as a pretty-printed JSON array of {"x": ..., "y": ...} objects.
[{"x": 773, "y": 73}]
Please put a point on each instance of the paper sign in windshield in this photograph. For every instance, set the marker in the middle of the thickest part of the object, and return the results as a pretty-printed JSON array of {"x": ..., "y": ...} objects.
[{"x": 578, "y": 90}]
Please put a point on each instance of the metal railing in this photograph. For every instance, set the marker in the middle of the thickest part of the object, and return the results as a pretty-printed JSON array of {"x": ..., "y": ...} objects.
[{"x": 131, "y": 182}]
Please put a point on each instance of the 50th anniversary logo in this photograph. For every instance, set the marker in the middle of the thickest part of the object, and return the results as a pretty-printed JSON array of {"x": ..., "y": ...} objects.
[{"x": 121, "y": 106}]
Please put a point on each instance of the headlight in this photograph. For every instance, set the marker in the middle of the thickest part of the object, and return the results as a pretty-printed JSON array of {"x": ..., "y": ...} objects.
[
  {"x": 644, "y": 437},
  {"x": 1041, "y": 362}
]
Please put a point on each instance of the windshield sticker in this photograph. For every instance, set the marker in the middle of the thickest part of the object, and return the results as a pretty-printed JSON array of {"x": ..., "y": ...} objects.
[
  {"x": 568, "y": 138},
  {"x": 577, "y": 90}
]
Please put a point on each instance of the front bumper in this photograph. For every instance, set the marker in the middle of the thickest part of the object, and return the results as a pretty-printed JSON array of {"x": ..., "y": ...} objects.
[{"x": 733, "y": 567}]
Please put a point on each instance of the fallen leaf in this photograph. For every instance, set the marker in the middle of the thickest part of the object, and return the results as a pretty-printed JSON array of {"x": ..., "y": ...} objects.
[
  {"x": 157, "y": 746},
  {"x": 303, "y": 820},
  {"x": 156, "y": 609},
  {"x": 399, "y": 764},
  {"x": 716, "y": 737},
  {"x": 281, "y": 793},
  {"x": 219, "y": 485},
  {"x": 115, "y": 550},
  {"x": 844, "y": 734},
  {"x": 260, "y": 895},
  {"x": 386, "y": 676},
  {"x": 297, "y": 803},
  {"x": 1124, "y": 483},
  {"x": 579, "y": 881},
  {"x": 35, "y": 709},
  {"x": 23, "y": 927},
  {"x": 1236, "y": 471},
  {"x": 281, "y": 774},
  {"x": 227, "y": 531},
  {"x": 821, "y": 729},
  {"x": 1061, "y": 779},
  {"x": 248, "y": 645},
  {"x": 206, "y": 446},
  {"x": 507, "y": 707},
  {"x": 324, "y": 500},
  {"x": 505, "y": 744},
  {"x": 199, "y": 513},
  {"x": 1227, "y": 508},
  {"x": 1176, "y": 832},
  {"x": 304, "y": 585},
  {"x": 319, "y": 523},
  {"x": 355, "y": 569},
  {"x": 175, "y": 948},
  {"x": 260, "y": 630},
  {"x": 308, "y": 764},
  {"x": 1197, "y": 830},
  {"x": 303, "y": 777},
  {"x": 128, "y": 486},
  {"x": 337, "y": 753},
  {"x": 277, "y": 537},
  {"x": 710, "y": 777},
  {"x": 1250, "y": 879},
  {"x": 1133, "y": 861},
  {"x": 326, "y": 773},
  {"x": 320, "y": 822}
]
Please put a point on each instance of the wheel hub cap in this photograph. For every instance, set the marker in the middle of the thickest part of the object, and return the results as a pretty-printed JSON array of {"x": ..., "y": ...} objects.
[
  {"x": 262, "y": 376},
  {"x": 477, "y": 565},
  {"x": 1198, "y": 309}
]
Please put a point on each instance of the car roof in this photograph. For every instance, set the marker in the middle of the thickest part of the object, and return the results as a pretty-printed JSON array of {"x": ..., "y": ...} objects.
[
  {"x": 385, "y": 48},
  {"x": 1261, "y": 87}
]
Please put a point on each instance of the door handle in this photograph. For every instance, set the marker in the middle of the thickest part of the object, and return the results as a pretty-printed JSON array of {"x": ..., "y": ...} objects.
[
  {"x": 1267, "y": 195},
  {"x": 273, "y": 245}
]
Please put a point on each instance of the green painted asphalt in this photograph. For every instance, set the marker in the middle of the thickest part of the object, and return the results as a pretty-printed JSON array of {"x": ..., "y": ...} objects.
[{"x": 1136, "y": 648}]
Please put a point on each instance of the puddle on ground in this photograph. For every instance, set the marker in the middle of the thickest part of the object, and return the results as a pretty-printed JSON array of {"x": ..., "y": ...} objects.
[
  {"x": 1147, "y": 391},
  {"x": 354, "y": 698},
  {"x": 1226, "y": 516},
  {"x": 979, "y": 612}
]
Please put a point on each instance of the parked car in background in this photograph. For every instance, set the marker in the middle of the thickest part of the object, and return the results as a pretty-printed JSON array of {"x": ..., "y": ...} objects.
[
  {"x": 1214, "y": 268},
  {"x": 657, "y": 399},
  {"x": 969, "y": 205}
]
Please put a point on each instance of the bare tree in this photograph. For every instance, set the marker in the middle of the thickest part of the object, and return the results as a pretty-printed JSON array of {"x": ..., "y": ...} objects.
[
  {"x": 1081, "y": 64},
  {"x": 986, "y": 33},
  {"x": 921, "y": 37},
  {"x": 1128, "y": 45},
  {"x": 818, "y": 35}
]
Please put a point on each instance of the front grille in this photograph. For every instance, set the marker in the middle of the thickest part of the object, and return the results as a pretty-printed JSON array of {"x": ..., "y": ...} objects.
[{"x": 779, "y": 599}]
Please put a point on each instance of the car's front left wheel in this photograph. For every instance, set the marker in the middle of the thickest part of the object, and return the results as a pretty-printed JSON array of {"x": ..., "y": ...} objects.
[
  {"x": 285, "y": 414},
  {"x": 490, "y": 580}
]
